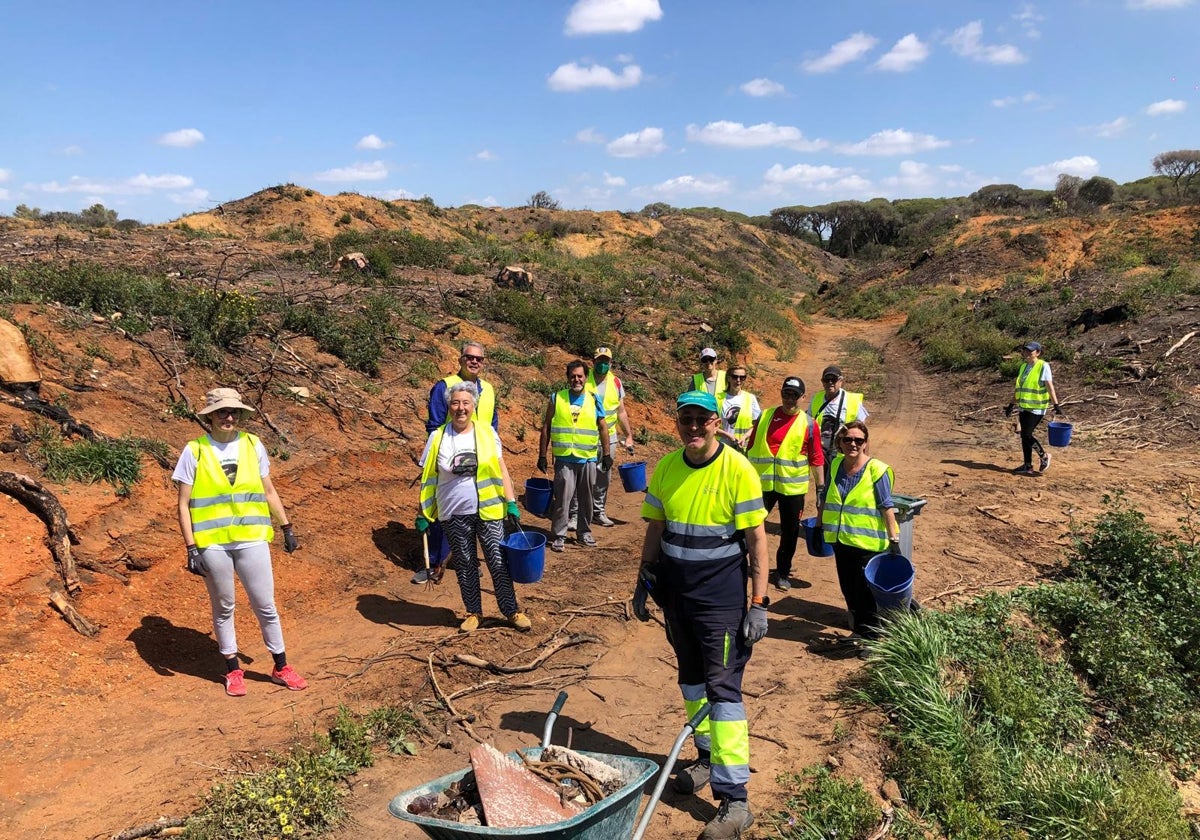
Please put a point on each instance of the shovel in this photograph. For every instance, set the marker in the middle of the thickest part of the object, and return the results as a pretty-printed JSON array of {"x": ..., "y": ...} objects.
[{"x": 432, "y": 576}]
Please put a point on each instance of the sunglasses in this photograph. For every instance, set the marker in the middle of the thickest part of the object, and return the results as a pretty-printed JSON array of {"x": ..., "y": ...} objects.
[
  {"x": 735, "y": 376},
  {"x": 854, "y": 441},
  {"x": 467, "y": 357},
  {"x": 831, "y": 379}
]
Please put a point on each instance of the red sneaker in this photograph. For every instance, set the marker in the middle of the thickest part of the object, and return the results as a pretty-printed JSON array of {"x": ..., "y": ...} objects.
[
  {"x": 235, "y": 683},
  {"x": 287, "y": 676}
]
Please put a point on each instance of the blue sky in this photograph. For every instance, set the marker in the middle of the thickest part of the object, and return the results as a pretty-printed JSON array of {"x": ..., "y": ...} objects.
[{"x": 160, "y": 109}]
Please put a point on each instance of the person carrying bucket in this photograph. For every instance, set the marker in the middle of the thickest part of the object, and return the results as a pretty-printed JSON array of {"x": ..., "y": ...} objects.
[
  {"x": 858, "y": 517},
  {"x": 1034, "y": 394},
  {"x": 465, "y": 486},
  {"x": 704, "y": 538}
]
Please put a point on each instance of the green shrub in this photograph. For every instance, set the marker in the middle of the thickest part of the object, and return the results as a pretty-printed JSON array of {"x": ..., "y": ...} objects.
[
  {"x": 117, "y": 462},
  {"x": 821, "y": 805},
  {"x": 359, "y": 337}
]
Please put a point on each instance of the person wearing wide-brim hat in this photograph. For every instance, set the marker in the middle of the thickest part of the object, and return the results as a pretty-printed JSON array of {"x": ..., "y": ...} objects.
[
  {"x": 226, "y": 505},
  {"x": 1034, "y": 394}
]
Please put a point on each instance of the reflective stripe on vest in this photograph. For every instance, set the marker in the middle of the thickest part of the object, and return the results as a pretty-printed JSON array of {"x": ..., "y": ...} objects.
[
  {"x": 856, "y": 520},
  {"x": 609, "y": 396},
  {"x": 1032, "y": 394},
  {"x": 224, "y": 513},
  {"x": 489, "y": 481},
  {"x": 571, "y": 436},
  {"x": 485, "y": 398},
  {"x": 687, "y": 542},
  {"x": 785, "y": 472}
]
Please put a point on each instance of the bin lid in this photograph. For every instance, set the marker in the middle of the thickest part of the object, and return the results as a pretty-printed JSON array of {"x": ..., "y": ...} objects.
[{"x": 908, "y": 504}]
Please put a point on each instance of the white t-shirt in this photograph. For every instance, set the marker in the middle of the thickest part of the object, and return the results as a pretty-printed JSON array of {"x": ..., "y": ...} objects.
[
  {"x": 227, "y": 454},
  {"x": 456, "y": 494},
  {"x": 735, "y": 405}
]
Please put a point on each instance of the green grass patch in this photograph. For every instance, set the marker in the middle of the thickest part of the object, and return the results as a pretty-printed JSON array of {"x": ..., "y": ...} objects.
[
  {"x": 117, "y": 462},
  {"x": 820, "y": 805},
  {"x": 865, "y": 361}
]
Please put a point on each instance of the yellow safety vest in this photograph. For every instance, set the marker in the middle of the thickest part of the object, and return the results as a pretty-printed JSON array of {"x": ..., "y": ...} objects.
[
  {"x": 785, "y": 472},
  {"x": 223, "y": 514},
  {"x": 850, "y": 406},
  {"x": 856, "y": 520},
  {"x": 610, "y": 399},
  {"x": 485, "y": 403},
  {"x": 572, "y": 436},
  {"x": 699, "y": 383},
  {"x": 489, "y": 481},
  {"x": 1032, "y": 394}
]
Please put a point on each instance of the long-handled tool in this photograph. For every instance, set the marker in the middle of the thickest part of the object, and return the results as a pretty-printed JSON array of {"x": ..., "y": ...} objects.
[{"x": 433, "y": 576}]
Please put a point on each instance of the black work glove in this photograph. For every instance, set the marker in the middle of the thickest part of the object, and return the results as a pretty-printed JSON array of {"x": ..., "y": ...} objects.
[
  {"x": 1008, "y": 410},
  {"x": 289, "y": 539},
  {"x": 606, "y": 463},
  {"x": 639, "y": 601},
  {"x": 894, "y": 546},
  {"x": 1057, "y": 409},
  {"x": 754, "y": 626},
  {"x": 542, "y": 464},
  {"x": 195, "y": 563}
]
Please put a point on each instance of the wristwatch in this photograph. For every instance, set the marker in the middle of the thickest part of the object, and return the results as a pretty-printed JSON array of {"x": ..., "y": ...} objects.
[{"x": 764, "y": 601}]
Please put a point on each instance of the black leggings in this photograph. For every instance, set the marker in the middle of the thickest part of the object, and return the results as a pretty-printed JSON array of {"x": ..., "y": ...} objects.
[
  {"x": 790, "y": 509},
  {"x": 851, "y": 563},
  {"x": 1029, "y": 422}
]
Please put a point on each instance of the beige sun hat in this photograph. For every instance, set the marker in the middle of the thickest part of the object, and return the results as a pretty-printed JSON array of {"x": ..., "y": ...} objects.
[{"x": 222, "y": 398}]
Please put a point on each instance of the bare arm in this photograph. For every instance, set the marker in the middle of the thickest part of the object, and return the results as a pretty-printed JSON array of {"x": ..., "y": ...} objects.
[
  {"x": 756, "y": 543},
  {"x": 602, "y": 424},
  {"x": 623, "y": 425},
  {"x": 273, "y": 502},
  {"x": 509, "y": 495},
  {"x": 1053, "y": 393},
  {"x": 889, "y": 519},
  {"x": 544, "y": 437},
  {"x": 185, "y": 515}
]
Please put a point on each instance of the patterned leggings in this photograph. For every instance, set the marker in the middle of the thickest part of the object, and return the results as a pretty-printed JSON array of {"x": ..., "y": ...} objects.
[{"x": 463, "y": 533}]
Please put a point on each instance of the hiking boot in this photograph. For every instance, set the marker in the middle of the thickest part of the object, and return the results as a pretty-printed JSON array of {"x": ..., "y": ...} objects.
[
  {"x": 559, "y": 544},
  {"x": 287, "y": 676},
  {"x": 1026, "y": 469},
  {"x": 693, "y": 777},
  {"x": 520, "y": 621},
  {"x": 1045, "y": 465},
  {"x": 235, "y": 683},
  {"x": 733, "y": 817},
  {"x": 602, "y": 518},
  {"x": 782, "y": 582},
  {"x": 588, "y": 540},
  {"x": 471, "y": 622}
]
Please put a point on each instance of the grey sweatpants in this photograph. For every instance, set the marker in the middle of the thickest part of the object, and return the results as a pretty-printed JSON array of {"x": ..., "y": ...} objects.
[
  {"x": 599, "y": 487},
  {"x": 253, "y": 567},
  {"x": 572, "y": 484}
]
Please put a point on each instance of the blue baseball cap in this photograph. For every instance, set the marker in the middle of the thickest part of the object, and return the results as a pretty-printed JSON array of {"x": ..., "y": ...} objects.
[
  {"x": 701, "y": 399},
  {"x": 1031, "y": 345}
]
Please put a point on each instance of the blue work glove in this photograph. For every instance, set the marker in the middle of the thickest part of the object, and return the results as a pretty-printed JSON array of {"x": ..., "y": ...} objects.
[
  {"x": 290, "y": 543},
  {"x": 754, "y": 626},
  {"x": 606, "y": 463},
  {"x": 195, "y": 562},
  {"x": 511, "y": 509},
  {"x": 542, "y": 464},
  {"x": 422, "y": 524}
]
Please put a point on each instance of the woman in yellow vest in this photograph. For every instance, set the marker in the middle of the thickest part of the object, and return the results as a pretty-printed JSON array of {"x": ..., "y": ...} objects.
[
  {"x": 226, "y": 504},
  {"x": 1034, "y": 394},
  {"x": 465, "y": 486},
  {"x": 859, "y": 520}
]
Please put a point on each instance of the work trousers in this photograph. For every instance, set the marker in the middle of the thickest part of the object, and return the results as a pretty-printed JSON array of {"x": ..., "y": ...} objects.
[
  {"x": 599, "y": 487},
  {"x": 851, "y": 564},
  {"x": 465, "y": 533},
  {"x": 1029, "y": 422},
  {"x": 790, "y": 510},
  {"x": 572, "y": 484},
  {"x": 712, "y": 656},
  {"x": 252, "y": 565}
]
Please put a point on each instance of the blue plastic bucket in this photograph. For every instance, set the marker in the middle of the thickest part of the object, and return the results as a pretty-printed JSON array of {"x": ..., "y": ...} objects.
[
  {"x": 526, "y": 555},
  {"x": 890, "y": 577},
  {"x": 1060, "y": 433},
  {"x": 814, "y": 535},
  {"x": 537, "y": 495},
  {"x": 633, "y": 476}
]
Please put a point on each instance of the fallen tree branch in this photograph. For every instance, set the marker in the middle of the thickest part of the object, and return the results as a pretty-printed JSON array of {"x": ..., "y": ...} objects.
[
  {"x": 72, "y": 615},
  {"x": 1180, "y": 343},
  {"x": 160, "y": 828},
  {"x": 553, "y": 648},
  {"x": 455, "y": 717},
  {"x": 34, "y": 496},
  {"x": 991, "y": 515}
]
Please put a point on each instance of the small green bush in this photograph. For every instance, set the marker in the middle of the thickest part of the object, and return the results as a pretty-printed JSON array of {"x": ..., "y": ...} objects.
[
  {"x": 821, "y": 805},
  {"x": 117, "y": 462}
]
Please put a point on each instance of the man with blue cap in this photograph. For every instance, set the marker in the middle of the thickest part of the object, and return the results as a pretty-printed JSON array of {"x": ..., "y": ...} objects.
[{"x": 704, "y": 540}]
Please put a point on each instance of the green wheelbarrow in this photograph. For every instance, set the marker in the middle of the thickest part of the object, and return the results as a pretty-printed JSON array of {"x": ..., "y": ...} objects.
[{"x": 612, "y": 818}]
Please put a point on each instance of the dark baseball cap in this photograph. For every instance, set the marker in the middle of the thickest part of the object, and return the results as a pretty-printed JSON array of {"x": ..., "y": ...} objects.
[
  {"x": 793, "y": 383},
  {"x": 1031, "y": 345},
  {"x": 832, "y": 370}
]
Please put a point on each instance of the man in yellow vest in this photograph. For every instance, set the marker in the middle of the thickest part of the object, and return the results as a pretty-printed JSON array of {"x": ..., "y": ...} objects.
[
  {"x": 833, "y": 408},
  {"x": 470, "y": 369},
  {"x": 574, "y": 424},
  {"x": 709, "y": 378},
  {"x": 610, "y": 393},
  {"x": 740, "y": 411},
  {"x": 704, "y": 542},
  {"x": 1034, "y": 395}
]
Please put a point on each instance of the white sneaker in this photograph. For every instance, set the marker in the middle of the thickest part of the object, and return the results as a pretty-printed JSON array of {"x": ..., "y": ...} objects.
[{"x": 602, "y": 518}]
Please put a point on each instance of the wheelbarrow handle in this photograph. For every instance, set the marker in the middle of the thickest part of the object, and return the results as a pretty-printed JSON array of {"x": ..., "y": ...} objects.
[
  {"x": 668, "y": 766},
  {"x": 559, "y": 702}
]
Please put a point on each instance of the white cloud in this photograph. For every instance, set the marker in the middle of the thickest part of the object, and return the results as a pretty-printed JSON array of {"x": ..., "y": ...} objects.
[
  {"x": 374, "y": 171},
  {"x": 1025, "y": 98},
  {"x": 894, "y": 141},
  {"x": 912, "y": 175},
  {"x": 1112, "y": 129},
  {"x": 1045, "y": 175},
  {"x": 486, "y": 201},
  {"x": 589, "y": 135},
  {"x": 907, "y": 53},
  {"x": 1028, "y": 18},
  {"x": 184, "y": 138},
  {"x": 760, "y": 136},
  {"x": 841, "y": 53},
  {"x": 803, "y": 174},
  {"x": 593, "y": 17},
  {"x": 5, "y": 195},
  {"x": 687, "y": 185},
  {"x": 373, "y": 142},
  {"x": 644, "y": 143},
  {"x": 71, "y": 151},
  {"x": 1157, "y": 4},
  {"x": 967, "y": 41},
  {"x": 762, "y": 87},
  {"x": 192, "y": 198},
  {"x": 396, "y": 195},
  {"x": 137, "y": 185},
  {"x": 572, "y": 77},
  {"x": 613, "y": 180},
  {"x": 486, "y": 155},
  {"x": 1166, "y": 106},
  {"x": 5, "y": 174}
]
